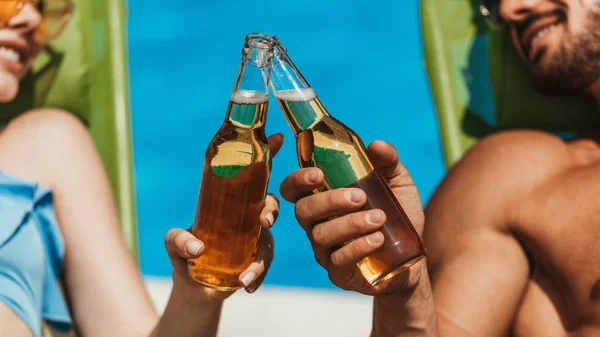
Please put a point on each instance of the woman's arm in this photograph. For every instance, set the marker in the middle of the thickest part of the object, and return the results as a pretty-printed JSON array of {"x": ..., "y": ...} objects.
[{"x": 105, "y": 288}]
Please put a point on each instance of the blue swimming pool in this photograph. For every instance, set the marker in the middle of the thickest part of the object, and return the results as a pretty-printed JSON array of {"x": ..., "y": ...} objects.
[{"x": 364, "y": 60}]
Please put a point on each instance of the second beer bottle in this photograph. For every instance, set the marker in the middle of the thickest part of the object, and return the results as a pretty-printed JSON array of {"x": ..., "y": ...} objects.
[
  {"x": 236, "y": 173},
  {"x": 324, "y": 142}
]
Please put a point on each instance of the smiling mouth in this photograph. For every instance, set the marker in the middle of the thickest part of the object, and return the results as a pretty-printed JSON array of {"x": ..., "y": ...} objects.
[
  {"x": 10, "y": 54},
  {"x": 535, "y": 28}
]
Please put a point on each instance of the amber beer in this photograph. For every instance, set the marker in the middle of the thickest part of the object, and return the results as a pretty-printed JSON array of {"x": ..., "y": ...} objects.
[
  {"x": 237, "y": 167},
  {"x": 326, "y": 143}
]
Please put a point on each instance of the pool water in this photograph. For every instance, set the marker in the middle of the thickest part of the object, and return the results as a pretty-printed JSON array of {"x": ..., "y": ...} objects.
[{"x": 364, "y": 60}]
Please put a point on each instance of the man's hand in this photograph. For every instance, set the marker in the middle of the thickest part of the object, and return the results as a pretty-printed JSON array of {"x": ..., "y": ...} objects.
[{"x": 330, "y": 218}]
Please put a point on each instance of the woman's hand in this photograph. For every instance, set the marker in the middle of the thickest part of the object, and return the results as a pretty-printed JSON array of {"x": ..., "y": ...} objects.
[{"x": 183, "y": 245}]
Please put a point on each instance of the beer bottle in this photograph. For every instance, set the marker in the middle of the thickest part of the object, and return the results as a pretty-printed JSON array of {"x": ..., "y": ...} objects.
[
  {"x": 236, "y": 172},
  {"x": 324, "y": 142}
]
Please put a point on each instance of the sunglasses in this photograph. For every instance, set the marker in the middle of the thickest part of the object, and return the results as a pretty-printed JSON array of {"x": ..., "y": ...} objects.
[
  {"x": 55, "y": 13},
  {"x": 490, "y": 9}
]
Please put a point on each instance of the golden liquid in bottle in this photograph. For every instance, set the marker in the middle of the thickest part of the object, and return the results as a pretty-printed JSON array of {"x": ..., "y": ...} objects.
[
  {"x": 324, "y": 142},
  {"x": 234, "y": 184}
]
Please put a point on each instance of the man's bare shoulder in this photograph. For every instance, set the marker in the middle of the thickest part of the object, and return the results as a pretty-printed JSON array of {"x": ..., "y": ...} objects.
[
  {"x": 499, "y": 171},
  {"x": 469, "y": 230},
  {"x": 518, "y": 156}
]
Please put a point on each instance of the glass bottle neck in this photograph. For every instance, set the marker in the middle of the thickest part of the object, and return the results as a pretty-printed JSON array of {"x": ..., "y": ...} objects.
[
  {"x": 300, "y": 104},
  {"x": 249, "y": 101},
  {"x": 302, "y": 108},
  {"x": 248, "y": 109}
]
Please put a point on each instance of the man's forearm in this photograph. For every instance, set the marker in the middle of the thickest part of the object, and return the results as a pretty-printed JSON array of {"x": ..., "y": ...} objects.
[
  {"x": 408, "y": 314},
  {"x": 185, "y": 318}
]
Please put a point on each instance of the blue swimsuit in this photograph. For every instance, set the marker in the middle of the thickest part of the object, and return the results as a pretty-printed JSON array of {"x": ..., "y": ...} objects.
[{"x": 31, "y": 255}]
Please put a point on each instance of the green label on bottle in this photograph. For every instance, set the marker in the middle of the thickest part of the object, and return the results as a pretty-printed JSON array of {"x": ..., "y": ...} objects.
[
  {"x": 227, "y": 171},
  {"x": 336, "y": 167}
]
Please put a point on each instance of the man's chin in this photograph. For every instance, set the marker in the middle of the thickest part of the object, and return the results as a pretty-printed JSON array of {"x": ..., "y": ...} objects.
[
  {"x": 543, "y": 57},
  {"x": 554, "y": 86}
]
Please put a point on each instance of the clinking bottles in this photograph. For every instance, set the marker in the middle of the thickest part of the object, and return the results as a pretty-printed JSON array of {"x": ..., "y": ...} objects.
[
  {"x": 237, "y": 167},
  {"x": 326, "y": 143}
]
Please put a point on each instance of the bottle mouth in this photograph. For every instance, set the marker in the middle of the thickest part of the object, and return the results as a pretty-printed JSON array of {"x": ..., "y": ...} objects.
[
  {"x": 279, "y": 51},
  {"x": 277, "y": 45},
  {"x": 259, "y": 41}
]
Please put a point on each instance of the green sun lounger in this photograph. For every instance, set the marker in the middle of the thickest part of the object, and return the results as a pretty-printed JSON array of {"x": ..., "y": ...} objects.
[
  {"x": 85, "y": 72},
  {"x": 480, "y": 85}
]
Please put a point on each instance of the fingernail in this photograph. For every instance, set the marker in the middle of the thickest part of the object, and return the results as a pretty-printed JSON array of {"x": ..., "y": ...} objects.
[
  {"x": 354, "y": 195},
  {"x": 375, "y": 238},
  {"x": 373, "y": 217},
  {"x": 270, "y": 218},
  {"x": 193, "y": 247},
  {"x": 248, "y": 278},
  {"x": 311, "y": 176}
]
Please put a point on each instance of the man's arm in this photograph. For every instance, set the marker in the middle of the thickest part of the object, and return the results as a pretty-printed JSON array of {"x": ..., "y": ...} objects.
[
  {"x": 403, "y": 304},
  {"x": 478, "y": 269},
  {"x": 477, "y": 278},
  {"x": 406, "y": 313}
]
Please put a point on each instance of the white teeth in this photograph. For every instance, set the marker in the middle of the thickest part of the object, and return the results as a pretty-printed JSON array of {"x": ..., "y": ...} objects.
[
  {"x": 543, "y": 33},
  {"x": 10, "y": 54}
]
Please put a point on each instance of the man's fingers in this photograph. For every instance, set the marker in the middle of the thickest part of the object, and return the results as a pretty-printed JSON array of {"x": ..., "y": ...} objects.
[
  {"x": 324, "y": 205},
  {"x": 322, "y": 255},
  {"x": 386, "y": 161},
  {"x": 339, "y": 230},
  {"x": 343, "y": 270},
  {"x": 301, "y": 183},
  {"x": 355, "y": 250}
]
